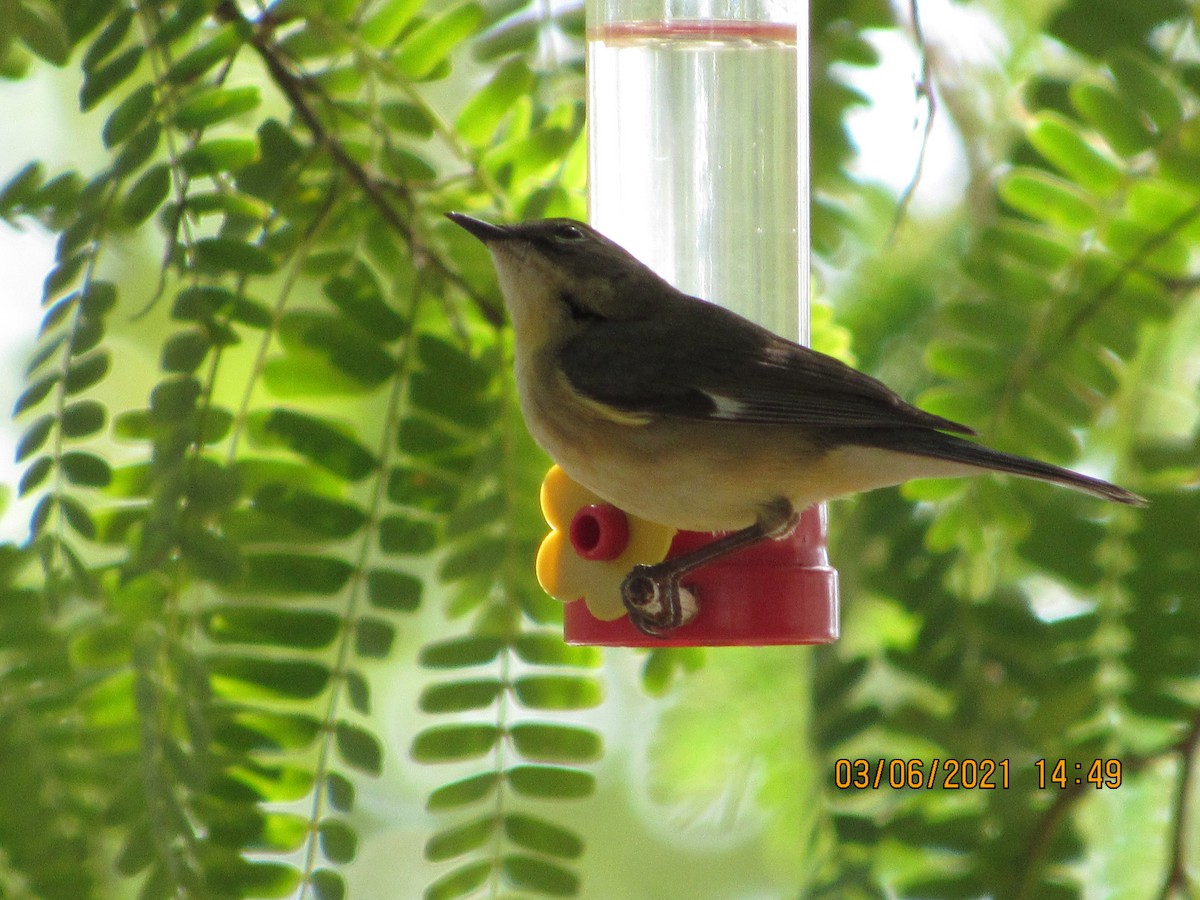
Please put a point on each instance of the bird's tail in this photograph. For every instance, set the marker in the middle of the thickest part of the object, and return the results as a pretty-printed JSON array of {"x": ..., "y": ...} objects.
[{"x": 938, "y": 445}]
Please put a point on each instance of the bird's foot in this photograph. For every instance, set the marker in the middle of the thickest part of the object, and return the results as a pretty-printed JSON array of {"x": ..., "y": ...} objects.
[{"x": 655, "y": 600}]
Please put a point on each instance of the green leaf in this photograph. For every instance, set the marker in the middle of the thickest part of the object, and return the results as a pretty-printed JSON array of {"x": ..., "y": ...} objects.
[
  {"x": 306, "y": 629},
  {"x": 428, "y": 45},
  {"x": 384, "y": 25},
  {"x": 230, "y": 203},
  {"x": 1170, "y": 256},
  {"x": 451, "y": 743},
  {"x": 219, "y": 155},
  {"x": 556, "y": 743},
  {"x": 423, "y": 438},
  {"x": 558, "y": 692},
  {"x": 542, "y": 837},
  {"x": 187, "y": 15},
  {"x": 78, "y": 517},
  {"x": 174, "y": 400},
  {"x": 358, "y": 692},
  {"x": 86, "y": 372},
  {"x": 216, "y": 50},
  {"x": 35, "y": 437},
  {"x": 405, "y": 165},
  {"x": 211, "y": 556},
  {"x": 88, "y": 332},
  {"x": 1029, "y": 243},
  {"x": 102, "y": 81},
  {"x": 1147, "y": 89},
  {"x": 21, "y": 187},
  {"x": 359, "y": 748},
  {"x": 323, "y": 516},
  {"x": 475, "y": 558},
  {"x": 457, "y": 653},
  {"x": 549, "y": 649},
  {"x": 137, "y": 150},
  {"x": 431, "y": 491},
  {"x": 213, "y": 105},
  {"x": 316, "y": 440},
  {"x": 406, "y": 117},
  {"x": 481, "y": 116},
  {"x": 202, "y": 303},
  {"x": 460, "y": 696},
  {"x": 219, "y": 256},
  {"x": 518, "y": 34},
  {"x": 463, "y": 793},
  {"x": 103, "y": 645},
  {"x": 146, "y": 195},
  {"x": 551, "y": 782},
  {"x": 352, "y": 350},
  {"x": 1048, "y": 199},
  {"x": 459, "y": 882},
  {"x": 358, "y": 295},
  {"x": 42, "y": 30},
  {"x": 1121, "y": 124},
  {"x": 1059, "y": 141},
  {"x": 529, "y": 873},
  {"x": 37, "y": 472},
  {"x": 461, "y": 839},
  {"x": 339, "y": 842},
  {"x": 373, "y": 638},
  {"x": 968, "y": 361},
  {"x": 258, "y": 729},
  {"x": 328, "y": 885},
  {"x": 98, "y": 298},
  {"x": 82, "y": 419},
  {"x": 14, "y": 61},
  {"x": 35, "y": 393},
  {"x": 108, "y": 40},
  {"x": 389, "y": 589},
  {"x": 401, "y": 534},
  {"x": 129, "y": 115},
  {"x": 185, "y": 351},
  {"x": 85, "y": 469},
  {"x": 340, "y": 791},
  {"x": 289, "y": 574},
  {"x": 294, "y": 679}
]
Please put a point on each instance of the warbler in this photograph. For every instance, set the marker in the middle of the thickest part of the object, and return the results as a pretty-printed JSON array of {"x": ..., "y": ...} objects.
[{"x": 682, "y": 412}]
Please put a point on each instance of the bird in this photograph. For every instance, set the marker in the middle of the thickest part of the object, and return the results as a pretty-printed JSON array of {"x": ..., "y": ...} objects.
[{"x": 682, "y": 412}]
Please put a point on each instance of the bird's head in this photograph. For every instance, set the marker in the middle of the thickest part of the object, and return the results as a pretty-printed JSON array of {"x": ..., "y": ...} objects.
[{"x": 559, "y": 275}]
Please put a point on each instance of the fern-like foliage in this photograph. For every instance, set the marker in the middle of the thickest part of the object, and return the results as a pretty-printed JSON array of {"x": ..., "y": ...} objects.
[
  {"x": 1046, "y": 332},
  {"x": 223, "y": 560},
  {"x": 274, "y": 452}
]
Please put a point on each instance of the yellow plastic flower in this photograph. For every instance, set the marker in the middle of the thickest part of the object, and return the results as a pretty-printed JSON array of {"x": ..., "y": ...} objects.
[{"x": 607, "y": 544}]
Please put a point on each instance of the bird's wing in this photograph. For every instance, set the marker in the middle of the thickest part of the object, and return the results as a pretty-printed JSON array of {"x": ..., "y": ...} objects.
[{"x": 727, "y": 371}]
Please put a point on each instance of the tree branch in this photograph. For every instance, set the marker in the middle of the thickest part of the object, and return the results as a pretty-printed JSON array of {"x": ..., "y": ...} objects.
[
  {"x": 296, "y": 92},
  {"x": 1177, "y": 883},
  {"x": 924, "y": 90}
]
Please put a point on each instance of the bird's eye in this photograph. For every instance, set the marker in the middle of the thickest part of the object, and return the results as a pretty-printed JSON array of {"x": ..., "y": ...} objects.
[{"x": 569, "y": 233}]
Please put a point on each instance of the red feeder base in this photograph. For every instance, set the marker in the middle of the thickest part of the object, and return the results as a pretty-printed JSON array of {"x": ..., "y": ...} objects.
[{"x": 774, "y": 592}]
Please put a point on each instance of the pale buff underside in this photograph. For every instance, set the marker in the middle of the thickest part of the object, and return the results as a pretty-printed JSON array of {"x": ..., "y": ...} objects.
[{"x": 704, "y": 475}]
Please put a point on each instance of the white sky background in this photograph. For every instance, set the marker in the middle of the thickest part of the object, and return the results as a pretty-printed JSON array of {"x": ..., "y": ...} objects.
[{"x": 888, "y": 135}]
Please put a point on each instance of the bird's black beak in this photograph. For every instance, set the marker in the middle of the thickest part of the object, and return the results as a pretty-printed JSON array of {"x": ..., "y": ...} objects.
[{"x": 485, "y": 231}]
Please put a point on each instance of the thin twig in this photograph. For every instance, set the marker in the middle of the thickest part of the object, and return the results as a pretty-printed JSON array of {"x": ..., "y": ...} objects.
[
  {"x": 1029, "y": 363},
  {"x": 1177, "y": 883},
  {"x": 924, "y": 91}
]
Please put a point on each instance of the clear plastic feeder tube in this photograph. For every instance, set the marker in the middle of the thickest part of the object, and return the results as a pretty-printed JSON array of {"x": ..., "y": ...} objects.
[
  {"x": 698, "y": 154},
  {"x": 698, "y": 147}
]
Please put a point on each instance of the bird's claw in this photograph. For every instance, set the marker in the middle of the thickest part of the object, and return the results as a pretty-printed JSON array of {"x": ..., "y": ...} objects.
[{"x": 655, "y": 600}]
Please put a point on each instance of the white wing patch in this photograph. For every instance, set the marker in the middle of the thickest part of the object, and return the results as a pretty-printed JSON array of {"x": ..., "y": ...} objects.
[{"x": 727, "y": 407}]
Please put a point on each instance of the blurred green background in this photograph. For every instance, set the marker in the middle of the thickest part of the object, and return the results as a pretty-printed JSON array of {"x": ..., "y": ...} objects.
[{"x": 268, "y": 623}]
